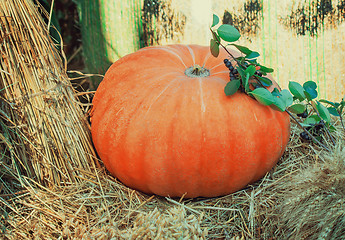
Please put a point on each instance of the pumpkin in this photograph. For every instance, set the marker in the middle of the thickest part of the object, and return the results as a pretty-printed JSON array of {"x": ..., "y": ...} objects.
[{"x": 162, "y": 124}]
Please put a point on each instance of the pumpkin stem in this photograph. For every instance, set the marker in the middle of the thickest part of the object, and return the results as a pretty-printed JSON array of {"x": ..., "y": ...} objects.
[{"x": 197, "y": 71}]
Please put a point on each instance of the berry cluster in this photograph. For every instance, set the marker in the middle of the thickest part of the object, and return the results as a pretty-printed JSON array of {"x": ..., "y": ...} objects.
[
  {"x": 315, "y": 129},
  {"x": 233, "y": 71}
]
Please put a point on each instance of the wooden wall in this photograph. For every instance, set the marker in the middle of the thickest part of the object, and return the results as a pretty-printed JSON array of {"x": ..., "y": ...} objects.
[{"x": 302, "y": 40}]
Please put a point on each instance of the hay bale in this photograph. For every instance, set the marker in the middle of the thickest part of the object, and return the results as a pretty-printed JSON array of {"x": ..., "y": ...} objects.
[
  {"x": 172, "y": 224},
  {"x": 313, "y": 201},
  {"x": 101, "y": 207},
  {"x": 44, "y": 132}
]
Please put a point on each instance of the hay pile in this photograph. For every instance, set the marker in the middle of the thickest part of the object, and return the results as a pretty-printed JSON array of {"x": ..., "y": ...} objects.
[
  {"x": 50, "y": 187},
  {"x": 42, "y": 123},
  {"x": 99, "y": 207},
  {"x": 313, "y": 206}
]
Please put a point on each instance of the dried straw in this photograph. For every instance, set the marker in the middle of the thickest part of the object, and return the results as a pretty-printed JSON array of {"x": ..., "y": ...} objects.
[
  {"x": 101, "y": 207},
  {"x": 313, "y": 205},
  {"x": 45, "y": 144},
  {"x": 44, "y": 134}
]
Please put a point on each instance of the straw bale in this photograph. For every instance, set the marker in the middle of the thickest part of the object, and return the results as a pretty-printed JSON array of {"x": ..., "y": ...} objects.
[
  {"x": 173, "y": 224},
  {"x": 313, "y": 205},
  {"x": 44, "y": 133},
  {"x": 100, "y": 207}
]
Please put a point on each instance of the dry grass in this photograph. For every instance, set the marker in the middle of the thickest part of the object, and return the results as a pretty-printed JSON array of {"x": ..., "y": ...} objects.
[
  {"x": 101, "y": 207},
  {"x": 314, "y": 200},
  {"x": 42, "y": 123},
  {"x": 50, "y": 187}
]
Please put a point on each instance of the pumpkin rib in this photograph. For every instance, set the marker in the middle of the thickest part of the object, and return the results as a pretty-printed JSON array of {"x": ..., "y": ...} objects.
[
  {"x": 169, "y": 50},
  {"x": 250, "y": 145},
  {"x": 160, "y": 94},
  {"x": 191, "y": 54},
  {"x": 170, "y": 152},
  {"x": 169, "y": 178},
  {"x": 207, "y": 57},
  {"x": 202, "y": 102},
  {"x": 219, "y": 79},
  {"x": 137, "y": 115},
  {"x": 155, "y": 101},
  {"x": 219, "y": 65},
  {"x": 215, "y": 73},
  {"x": 139, "y": 105}
]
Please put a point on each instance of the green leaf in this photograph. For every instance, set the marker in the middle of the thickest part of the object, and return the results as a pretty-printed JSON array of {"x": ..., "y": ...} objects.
[
  {"x": 214, "y": 47},
  {"x": 241, "y": 70},
  {"x": 215, "y": 36},
  {"x": 276, "y": 92},
  {"x": 265, "y": 81},
  {"x": 228, "y": 33},
  {"x": 250, "y": 70},
  {"x": 297, "y": 108},
  {"x": 246, "y": 83},
  {"x": 310, "y": 84},
  {"x": 215, "y": 20},
  {"x": 252, "y": 55},
  {"x": 286, "y": 97},
  {"x": 333, "y": 111},
  {"x": 313, "y": 119},
  {"x": 279, "y": 102},
  {"x": 253, "y": 61},
  {"x": 297, "y": 90},
  {"x": 310, "y": 93},
  {"x": 328, "y": 102},
  {"x": 242, "y": 49},
  {"x": 332, "y": 128},
  {"x": 264, "y": 69},
  {"x": 342, "y": 105},
  {"x": 323, "y": 111},
  {"x": 232, "y": 87},
  {"x": 310, "y": 90},
  {"x": 263, "y": 96}
]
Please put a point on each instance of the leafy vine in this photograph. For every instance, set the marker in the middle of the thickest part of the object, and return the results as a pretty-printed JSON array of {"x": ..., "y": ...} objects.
[{"x": 250, "y": 77}]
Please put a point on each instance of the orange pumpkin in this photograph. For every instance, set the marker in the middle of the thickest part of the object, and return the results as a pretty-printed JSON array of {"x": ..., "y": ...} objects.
[{"x": 163, "y": 132}]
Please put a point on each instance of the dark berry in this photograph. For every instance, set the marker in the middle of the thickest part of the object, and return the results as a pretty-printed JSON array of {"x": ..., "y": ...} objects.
[
  {"x": 255, "y": 85},
  {"x": 231, "y": 68},
  {"x": 258, "y": 73},
  {"x": 227, "y": 62},
  {"x": 303, "y": 115},
  {"x": 305, "y": 136},
  {"x": 318, "y": 127},
  {"x": 235, "y": 71}
]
